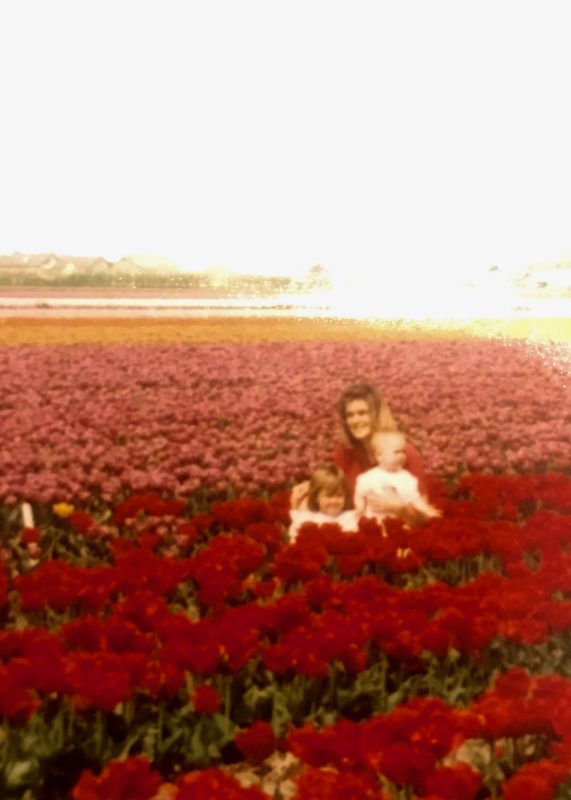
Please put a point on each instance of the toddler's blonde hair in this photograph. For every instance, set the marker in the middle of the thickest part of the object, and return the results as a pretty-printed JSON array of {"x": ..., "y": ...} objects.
[{"x": 380, "y": 437}]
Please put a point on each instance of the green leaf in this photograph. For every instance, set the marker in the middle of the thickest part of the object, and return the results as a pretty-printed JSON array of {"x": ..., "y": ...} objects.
[
  {"x": 281, "y": 715},
  {"x": 22, "y": 773}
]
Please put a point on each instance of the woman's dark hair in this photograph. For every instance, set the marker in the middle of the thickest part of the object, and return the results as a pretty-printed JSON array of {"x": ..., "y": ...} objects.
[{"x": 381, "y": 415}]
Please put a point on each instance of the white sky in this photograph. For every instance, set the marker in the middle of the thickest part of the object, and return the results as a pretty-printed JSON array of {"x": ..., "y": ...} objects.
[{"x": 271, "y": 136}]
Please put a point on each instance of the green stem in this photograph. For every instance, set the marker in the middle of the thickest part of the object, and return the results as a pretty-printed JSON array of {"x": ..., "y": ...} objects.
[
  {"x": 160, "y": 725},
  {"x": 227, "y": 696},
  {"x": 4, "y": 743},
  {"x": 70, "y": 721},
  {"x": 58, "y": 730},
  {"x": 98, "y": 734},
  {"x": 383, "y": 682},
  {"x": 332, "y": 687},
  {"x": 510, "y": 752},
  {"x": 129, "y": 711},
  {"x": 493, "y": 769}
]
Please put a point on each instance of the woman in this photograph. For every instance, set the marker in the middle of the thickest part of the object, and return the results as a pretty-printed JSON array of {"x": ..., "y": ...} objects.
[{"x": 362, "y": 413}]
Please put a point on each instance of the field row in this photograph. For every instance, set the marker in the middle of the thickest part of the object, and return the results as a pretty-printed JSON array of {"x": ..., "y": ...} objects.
[
  {"x": 99, "y": 421},
  {"x": 240, "y": 330},
  {"x": 161, "y": 654}
]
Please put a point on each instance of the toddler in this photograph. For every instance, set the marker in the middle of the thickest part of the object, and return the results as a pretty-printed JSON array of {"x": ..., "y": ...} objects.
[
  {"x": 389, "y": 490},
  {"x": 328, "y": 499}
]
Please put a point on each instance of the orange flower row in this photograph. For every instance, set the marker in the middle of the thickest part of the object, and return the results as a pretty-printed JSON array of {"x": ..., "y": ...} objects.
[{"x": 110, "y": 330}]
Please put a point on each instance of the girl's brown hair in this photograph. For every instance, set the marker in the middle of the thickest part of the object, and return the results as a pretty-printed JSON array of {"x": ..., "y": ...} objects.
[
  {"x": 328, "y": 477},
  {"x": 381, "y": 414}
]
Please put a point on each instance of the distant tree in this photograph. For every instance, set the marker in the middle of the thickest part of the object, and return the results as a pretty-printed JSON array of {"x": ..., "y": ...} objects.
[{"x": 319, "y": 278}]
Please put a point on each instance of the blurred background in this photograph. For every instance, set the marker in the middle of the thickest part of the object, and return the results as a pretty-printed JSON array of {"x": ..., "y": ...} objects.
[{"x": 404, "y": 159}]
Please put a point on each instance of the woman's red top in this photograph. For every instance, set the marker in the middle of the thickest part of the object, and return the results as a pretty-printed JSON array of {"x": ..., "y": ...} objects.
[{"x": 355, "y": 460}]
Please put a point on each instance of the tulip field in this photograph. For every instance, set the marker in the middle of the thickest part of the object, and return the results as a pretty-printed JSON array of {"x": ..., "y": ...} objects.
[{"x": 162, "y": 640}]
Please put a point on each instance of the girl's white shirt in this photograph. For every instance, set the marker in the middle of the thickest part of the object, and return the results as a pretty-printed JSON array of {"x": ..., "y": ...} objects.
[{"x": 347, "y": 521}]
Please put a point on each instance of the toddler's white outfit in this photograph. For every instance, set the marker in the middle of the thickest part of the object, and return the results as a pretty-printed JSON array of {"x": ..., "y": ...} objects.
[{"x": 370, "y": 485}]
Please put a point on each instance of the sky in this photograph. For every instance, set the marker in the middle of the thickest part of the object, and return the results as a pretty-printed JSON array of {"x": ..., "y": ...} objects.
[{"x": 411, "y": 140}]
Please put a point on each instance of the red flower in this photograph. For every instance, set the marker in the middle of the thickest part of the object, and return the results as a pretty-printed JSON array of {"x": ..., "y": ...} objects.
[
  {"x": 405, "y": 765},
  {"x": 524, "y": 631},
  {"x": 319, "y": 591},
  {"x": 345, "y": 744},
  {"x": 318, "y": 784},
  {"x": 217, "y": 586},
  {"x": 202, "y": 522},
  {"x": 212, "y": 784},
  {"x": 206, "y": 699},
  {"x": 42, "y": 665},
  {"x": 100, "y": 679},
  {"x": 148, "y": 503},
  {"x": 148, "y": 540},
  {"x": 288, "y": 612},
  {"x": 460, "y": 782},
  {"x": 516, "y": 683},
  {"x": 438, "y": 640},
  {"x": 57, "y": 584},
  {"x": 271, "y": 536},
  {"x": 147, "y": 611},
  {"x": 30, "y": 535},
  {"x": 141, "y": 569},
  {"x": 121, "y": 548},
  {"x": 264, "y": 589},
  {"x": 17, "y": 702},
  {"x": 186, "y": 534},
  {"x": 81, "y": 522},
  {"x": 310, "y": 745},
  {"x": 278, "y": 658},
  {"x": 241, "y": 513},
  {"x": 502, "y": 717},
  {"x": 121, "y": 636},
  {"x": 300, "y": 562},
  {"x": 257, "y": 742},
  {"x": 538, "y": 780},
  {"x": 131, "y": 779}
]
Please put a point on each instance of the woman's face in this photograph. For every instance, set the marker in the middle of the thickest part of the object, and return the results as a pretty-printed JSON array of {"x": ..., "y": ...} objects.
[{"x": 358, "y": 419}]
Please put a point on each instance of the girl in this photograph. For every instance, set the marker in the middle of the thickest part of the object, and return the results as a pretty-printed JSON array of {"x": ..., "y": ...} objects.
[{"x": 328, "y": 500}]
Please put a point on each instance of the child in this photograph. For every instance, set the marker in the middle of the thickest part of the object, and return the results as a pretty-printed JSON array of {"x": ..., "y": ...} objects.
[
  {"x": 389, "y": 490},
  {"x": 328, "y": 499}
]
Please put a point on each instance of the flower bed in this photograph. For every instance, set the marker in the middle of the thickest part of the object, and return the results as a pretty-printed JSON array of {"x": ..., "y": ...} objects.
[
  {"x": 235, "y": 329},
  {"x": 93, "y": 421},
  {"x": 150, "y": 651},
  {"x": 162, "y": 640}
]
